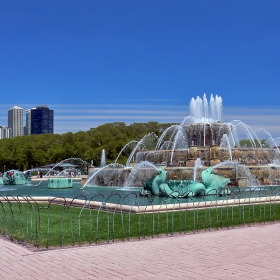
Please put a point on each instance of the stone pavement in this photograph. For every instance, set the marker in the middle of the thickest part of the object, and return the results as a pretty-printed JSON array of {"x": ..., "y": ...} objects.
[{"x": 240, "y": 253}]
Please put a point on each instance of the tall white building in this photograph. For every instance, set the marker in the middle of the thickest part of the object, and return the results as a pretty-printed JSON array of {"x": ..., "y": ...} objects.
[
  {"x": 15, "y": 121},
  {"x": 5, "y": 132}
]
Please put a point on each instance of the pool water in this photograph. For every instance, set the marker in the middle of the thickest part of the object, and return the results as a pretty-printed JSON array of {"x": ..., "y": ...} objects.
[{"x": 125, "y": 196}]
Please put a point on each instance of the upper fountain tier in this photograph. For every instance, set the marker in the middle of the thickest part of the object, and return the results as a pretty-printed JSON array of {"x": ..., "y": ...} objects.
[{"x": 206, "y": 112}]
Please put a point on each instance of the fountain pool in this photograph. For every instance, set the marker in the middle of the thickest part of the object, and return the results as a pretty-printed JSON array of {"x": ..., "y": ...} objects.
[{"x": 129, "y": 196}]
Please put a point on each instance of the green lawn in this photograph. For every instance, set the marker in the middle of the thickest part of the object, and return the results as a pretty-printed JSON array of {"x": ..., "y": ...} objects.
[{"x": 54, "y": 225}]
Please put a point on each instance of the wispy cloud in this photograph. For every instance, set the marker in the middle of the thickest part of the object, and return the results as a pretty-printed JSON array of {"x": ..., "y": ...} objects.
[{"x": 82, "y": 117}]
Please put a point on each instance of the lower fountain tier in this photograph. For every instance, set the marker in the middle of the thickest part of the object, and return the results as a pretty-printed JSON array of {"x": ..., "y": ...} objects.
[{"x": 239, "y": 175}]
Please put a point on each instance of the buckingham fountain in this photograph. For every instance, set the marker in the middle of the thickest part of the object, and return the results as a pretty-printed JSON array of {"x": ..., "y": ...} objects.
[
  {"x": 187, "y": 155},
  {"x": 202, "y": 155}
]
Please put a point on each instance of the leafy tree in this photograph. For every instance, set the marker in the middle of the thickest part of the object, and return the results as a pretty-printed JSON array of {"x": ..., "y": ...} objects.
[
  {"x": 255, "y": 143},
  {"x": 36, "y": 150}
]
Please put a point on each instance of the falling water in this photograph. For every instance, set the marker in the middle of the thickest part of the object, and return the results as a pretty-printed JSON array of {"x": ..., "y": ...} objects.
[
  {"x": 103, "y": 158},
  {"x": 248, "y": 130},
  {"x": 143, "y": 142},
  {"x": 180, "y": 141},
  {"x": 108, "y": 173},
  {"x": 198, "y": 164},
  {"x": 277, "y": 141},
  {"x": 172, "y": 127},
  {"x": 127, "y": 145},
  {"x": 225, "y": 144},
  {"x": 270, "y": 138},
  {"x": 140, "y": 172},
  {"x": 242, "y": 171}
]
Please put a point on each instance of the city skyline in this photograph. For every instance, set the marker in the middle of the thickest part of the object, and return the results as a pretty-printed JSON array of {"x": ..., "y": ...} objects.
[
  {"x": 35, "y": 120},
  {"x": 84, "y": 117},
  {"x": 95, "y": 62}
]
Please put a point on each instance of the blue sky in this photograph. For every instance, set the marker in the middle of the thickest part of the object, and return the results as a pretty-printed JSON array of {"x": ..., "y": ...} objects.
[{"x": 100, "y": 61}]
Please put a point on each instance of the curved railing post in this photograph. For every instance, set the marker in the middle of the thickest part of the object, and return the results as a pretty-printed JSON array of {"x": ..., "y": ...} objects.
[
  {"x": 4, "y": 202},
  {"x": 90, "y": 207},
  {"x": 129, "y": 214},
  {"x": 10, "y": 200},
  {"x": 72, "y": 204},
  {"x": 37, "y": 219},
  {"x": 51, "y": 203}
]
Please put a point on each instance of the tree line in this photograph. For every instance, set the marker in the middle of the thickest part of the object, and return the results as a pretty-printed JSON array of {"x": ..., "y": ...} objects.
[
  {"x": 26, "y": 152},
  {"x": 32, "y": 151}
]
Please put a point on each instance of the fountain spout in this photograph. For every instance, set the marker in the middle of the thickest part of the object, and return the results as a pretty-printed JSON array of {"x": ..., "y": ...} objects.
[{"x": 103, "y": 159}]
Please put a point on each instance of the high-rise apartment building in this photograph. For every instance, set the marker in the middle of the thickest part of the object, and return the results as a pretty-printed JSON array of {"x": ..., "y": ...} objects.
[
  {"x": 15, "y": 121},
  {"x": 5, "y": 132},
  {"x": 40, "y": 121},
  {"x": 27, "y": 128}
]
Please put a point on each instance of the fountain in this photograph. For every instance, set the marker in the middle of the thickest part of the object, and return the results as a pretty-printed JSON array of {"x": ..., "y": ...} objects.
[
  {"x": 61, "y": 180},
  {"x": 200, "y": 156},
  {"x": 14, "y": 177},
  {"x": 199, "y": 142}
]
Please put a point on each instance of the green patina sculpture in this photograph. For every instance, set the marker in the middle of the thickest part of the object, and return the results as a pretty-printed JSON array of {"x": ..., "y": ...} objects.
[
  {"x": 211, "y": 184},
  {"x": 60, "y": 183},
  {"x": 214, "y": 183},
  {"x": 14, "y": 177}
]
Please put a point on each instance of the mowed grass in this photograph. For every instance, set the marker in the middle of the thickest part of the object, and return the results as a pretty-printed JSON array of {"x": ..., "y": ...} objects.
[{"x": 55, "y": 225}]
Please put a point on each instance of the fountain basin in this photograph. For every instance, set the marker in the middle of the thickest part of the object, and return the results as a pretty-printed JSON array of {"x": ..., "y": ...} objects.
[{"x": 129, "y": 200}]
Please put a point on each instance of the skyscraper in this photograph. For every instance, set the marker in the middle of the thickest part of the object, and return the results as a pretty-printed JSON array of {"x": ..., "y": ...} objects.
[
  {"x": 15, "y": 121},
  {"x": 41, "y": 120},
  {"x": 28, "y": 122}
]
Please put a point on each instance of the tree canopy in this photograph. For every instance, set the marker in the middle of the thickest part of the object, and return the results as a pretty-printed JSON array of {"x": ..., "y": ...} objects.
[{"x": 26, "y": 152}]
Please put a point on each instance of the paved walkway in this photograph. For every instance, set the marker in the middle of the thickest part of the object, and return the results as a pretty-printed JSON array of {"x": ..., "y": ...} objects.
[{"x": 240, "y": 253}]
